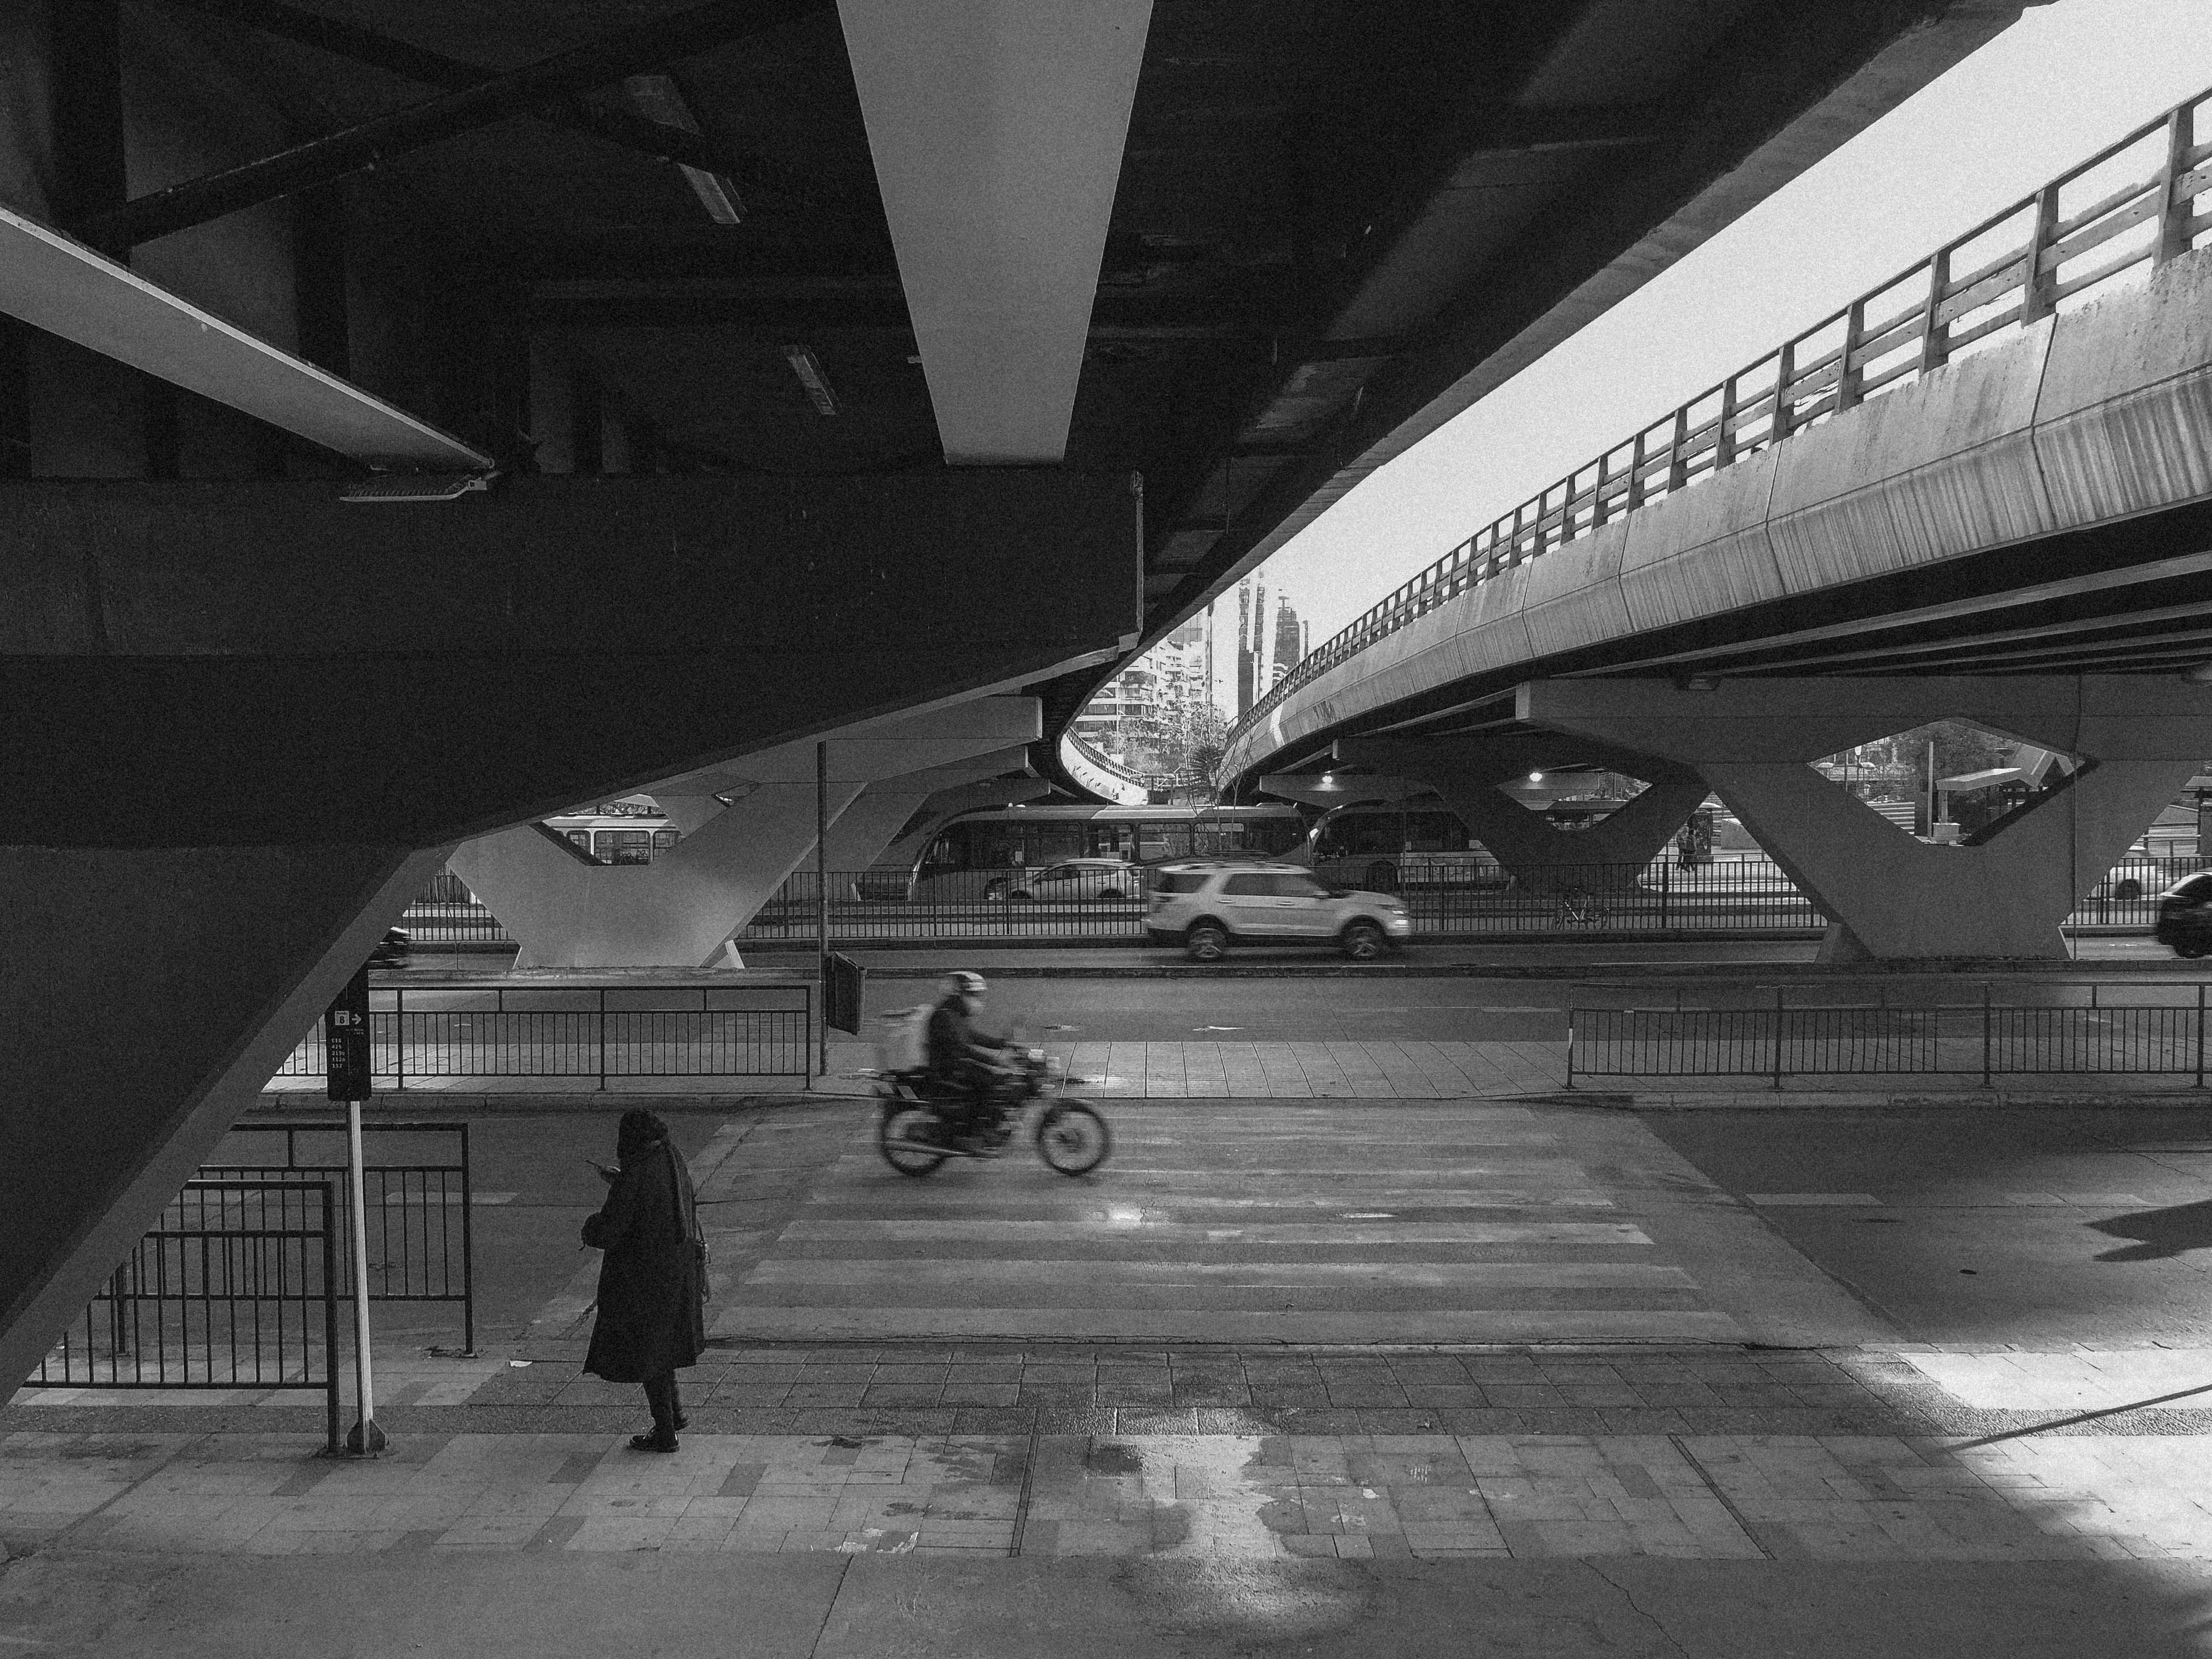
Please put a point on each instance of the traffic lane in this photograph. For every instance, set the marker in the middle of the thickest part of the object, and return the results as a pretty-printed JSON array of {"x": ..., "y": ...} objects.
[
  {"x": 533, "y": 1187},
  {"x": 1258, "y": 1010},
  {"x": 2044, "y": 1227}
]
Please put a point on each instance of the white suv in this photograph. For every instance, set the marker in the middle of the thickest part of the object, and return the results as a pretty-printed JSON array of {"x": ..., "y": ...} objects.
[{"x": 1203, "y": 904}]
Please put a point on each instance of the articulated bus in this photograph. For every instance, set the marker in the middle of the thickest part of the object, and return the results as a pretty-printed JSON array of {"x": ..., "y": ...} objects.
[{"x": 1004, "y": 853}]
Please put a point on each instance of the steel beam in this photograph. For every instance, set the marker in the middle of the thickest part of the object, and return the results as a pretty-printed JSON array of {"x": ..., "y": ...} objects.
[
  {"x": 341, "y": 40},
  {"x": 550, "y": 80}
]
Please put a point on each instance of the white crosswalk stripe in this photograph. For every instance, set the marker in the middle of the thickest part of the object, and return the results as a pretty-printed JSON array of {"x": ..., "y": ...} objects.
[{"x": 1246, "y": 1221}]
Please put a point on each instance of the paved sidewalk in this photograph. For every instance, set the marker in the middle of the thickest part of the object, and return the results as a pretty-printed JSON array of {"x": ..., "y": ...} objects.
[{"x": 1230, "y": 1454}]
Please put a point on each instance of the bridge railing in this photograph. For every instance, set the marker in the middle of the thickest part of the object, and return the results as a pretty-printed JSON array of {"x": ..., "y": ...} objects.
[{"x": 2128, "y": 208}]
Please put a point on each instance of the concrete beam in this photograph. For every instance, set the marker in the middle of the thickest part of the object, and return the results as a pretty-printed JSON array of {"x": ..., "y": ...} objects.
[
  {"x": 881, "y": 748},
  {"x": 997, "y": 129},
  {"x": 423, "y": 674},
  {"x": 1327, "y": 789},
  {"x": 1888, "y": 895},
  {"x": 66, "y": 289}
]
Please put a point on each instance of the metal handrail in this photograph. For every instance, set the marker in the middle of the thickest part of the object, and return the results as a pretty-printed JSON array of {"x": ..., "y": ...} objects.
[{"x": 1888, "y": 336}]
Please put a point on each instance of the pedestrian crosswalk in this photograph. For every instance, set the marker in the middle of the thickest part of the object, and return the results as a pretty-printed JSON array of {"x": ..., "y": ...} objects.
[{"x": 1246, "y": 1221}]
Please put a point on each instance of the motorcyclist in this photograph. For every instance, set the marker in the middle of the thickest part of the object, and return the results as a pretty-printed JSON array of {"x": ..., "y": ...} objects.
[{"x": 965, "y": 1066}]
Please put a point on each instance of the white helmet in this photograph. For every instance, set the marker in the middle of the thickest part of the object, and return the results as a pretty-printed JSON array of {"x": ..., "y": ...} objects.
[{"x": 962, "y": 983}]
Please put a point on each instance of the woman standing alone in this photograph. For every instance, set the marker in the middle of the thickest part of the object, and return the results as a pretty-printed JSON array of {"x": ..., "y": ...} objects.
[{"x": 653, "y": 1284}]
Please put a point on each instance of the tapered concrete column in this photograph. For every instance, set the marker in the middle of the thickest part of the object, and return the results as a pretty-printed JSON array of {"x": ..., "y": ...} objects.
[
  {"x": 146, "y": 997},
  {"x": 2003, "y": 894},
  {"x": 677, "y": 912},
  {"x": 681, "y": 910},
  {"x": 1541, "y": 856}
]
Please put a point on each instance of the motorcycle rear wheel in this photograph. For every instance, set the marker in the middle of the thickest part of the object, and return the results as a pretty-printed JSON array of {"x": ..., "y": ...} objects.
[
  {"x": 1072, "y": 1138},
  {"x": 909, "y": 1125}
]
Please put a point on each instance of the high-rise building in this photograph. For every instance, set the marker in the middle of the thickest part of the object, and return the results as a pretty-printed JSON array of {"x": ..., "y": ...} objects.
[
  {"x": 1290, "y": 639},
  {"x": 1244, "y": 664}
]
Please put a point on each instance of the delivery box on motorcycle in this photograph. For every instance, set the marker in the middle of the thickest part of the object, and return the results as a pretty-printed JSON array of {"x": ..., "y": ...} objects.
[{"x": 902, "y": 1039}]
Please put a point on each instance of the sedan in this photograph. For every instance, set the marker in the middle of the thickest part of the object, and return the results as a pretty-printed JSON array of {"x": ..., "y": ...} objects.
[
  {"x": 2185, "y": 915},
  {"x": 1075, "y": 879}
]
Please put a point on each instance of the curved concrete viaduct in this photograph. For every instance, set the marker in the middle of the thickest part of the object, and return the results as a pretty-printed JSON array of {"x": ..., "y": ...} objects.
[{"x": 2022, "y": 538}]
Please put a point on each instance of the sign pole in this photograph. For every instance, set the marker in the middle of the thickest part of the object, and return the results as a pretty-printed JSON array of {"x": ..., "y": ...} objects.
[
  {"x": 349, "y": 1058},
  {"x": 365, "y": 1437},
  {"x": 822, "y": 897}
]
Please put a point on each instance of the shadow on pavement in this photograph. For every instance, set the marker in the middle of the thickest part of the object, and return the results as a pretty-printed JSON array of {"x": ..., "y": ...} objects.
[{"x": 2162, "y": 1234}]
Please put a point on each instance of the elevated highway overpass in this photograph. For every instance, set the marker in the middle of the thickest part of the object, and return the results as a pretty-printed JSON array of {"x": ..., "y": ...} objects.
[
  {"x": 1982, "y": 492},
  {"x": 409, "y": 435}
]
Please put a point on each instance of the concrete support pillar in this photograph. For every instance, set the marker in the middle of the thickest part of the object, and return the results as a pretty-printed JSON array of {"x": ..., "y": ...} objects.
[
  {"x": 1541, "y": 857},
  {"x": 2004, "y": 894},
  {"x": 146, "y": 997},
  {"x": 676, "y": 912},
  {"x": 681, "y": 910}
]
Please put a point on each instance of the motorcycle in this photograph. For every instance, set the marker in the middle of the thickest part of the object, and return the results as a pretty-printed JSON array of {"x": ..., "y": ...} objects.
[{"x": 917, "y": 1132}]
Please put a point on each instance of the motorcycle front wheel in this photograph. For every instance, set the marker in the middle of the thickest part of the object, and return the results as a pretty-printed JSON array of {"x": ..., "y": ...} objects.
[
  {"x": 1072, "y": 1138},
  {"x": 902, "y": 1136}
]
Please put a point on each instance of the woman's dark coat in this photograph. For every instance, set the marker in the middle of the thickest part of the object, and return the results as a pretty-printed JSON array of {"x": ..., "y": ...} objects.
[{"x": 651, "y": 1318}]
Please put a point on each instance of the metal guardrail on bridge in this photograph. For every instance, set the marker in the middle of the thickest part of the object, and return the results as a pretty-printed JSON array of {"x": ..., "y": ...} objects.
[{"x": 2133, "y": 202}]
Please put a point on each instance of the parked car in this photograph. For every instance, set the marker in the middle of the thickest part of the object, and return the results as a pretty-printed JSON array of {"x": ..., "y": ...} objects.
[
  {"x": 2185, "y": 915},
  {"x": 2140, "y": 874},
  {"x": 391, "y": 950},
  {"x": 1205, "y": 905},
  {"x": 1070, "y": 879}
]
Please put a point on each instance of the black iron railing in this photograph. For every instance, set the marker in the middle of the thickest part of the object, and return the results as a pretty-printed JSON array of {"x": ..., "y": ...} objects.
[
  {"x": 2133, "y": 204},
  {"x": 1448, "y": 896},
  {"x": 608, "y": 1035},
  {"x": 234, "y": 1287},
  {"x": 2071, "y": 1029},
  {"x": 422, "y": 1231}
]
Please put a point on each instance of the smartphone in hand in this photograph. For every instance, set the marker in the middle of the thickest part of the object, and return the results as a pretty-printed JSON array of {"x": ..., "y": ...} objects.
[{"x": 606, "y": 1174}]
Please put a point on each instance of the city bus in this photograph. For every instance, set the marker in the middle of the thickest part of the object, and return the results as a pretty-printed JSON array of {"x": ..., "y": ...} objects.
[
  {"x": 990, "y": 854},
  {"x": 618, "y": 832},
  {"x": 1394, "y": 846}
]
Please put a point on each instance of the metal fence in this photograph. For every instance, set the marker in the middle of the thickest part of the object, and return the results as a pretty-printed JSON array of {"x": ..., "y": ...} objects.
[
  {"x": 2129, "y": 207},
  {"x": 1729, "y": 895},
  {"x": 421, "y": 1233},
  {"x": 234, "y": 1287},
  {"x": 2079, "y": 1032},
  {"x": 606, "y": 1033},
  {"x": 467, "y": 924}
]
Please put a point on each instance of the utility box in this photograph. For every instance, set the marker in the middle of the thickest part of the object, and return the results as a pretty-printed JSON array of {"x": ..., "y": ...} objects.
[{"x": 843, "y": 990}]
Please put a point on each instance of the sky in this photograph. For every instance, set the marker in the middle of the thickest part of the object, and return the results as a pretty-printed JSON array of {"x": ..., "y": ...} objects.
[{"x": 2058, "y": 86}]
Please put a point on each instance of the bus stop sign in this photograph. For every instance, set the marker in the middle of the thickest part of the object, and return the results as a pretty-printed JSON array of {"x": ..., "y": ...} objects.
[{"x": 345, "y": 1039}]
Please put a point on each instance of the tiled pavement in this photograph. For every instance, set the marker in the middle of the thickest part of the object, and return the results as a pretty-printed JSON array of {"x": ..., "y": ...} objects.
[{"x": 1709, "y": 1452}]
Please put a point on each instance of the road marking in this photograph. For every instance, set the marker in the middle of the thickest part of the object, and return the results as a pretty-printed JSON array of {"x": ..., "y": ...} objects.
[{"x": 1810, "y": 1201}]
